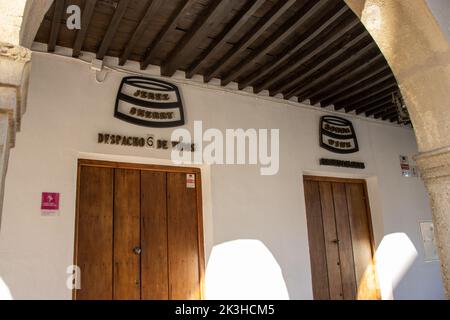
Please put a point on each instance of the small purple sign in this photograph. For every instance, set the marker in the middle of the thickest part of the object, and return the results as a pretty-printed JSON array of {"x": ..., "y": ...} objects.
[{"x": 50, "y": 201}]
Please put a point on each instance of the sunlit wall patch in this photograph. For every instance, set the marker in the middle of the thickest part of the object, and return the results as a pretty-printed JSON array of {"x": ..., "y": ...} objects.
[{"x": 150, "y": 103}]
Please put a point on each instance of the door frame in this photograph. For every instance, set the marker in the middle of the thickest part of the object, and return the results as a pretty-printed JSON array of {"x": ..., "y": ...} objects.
[
  {"x": 363, "y": 182},
  {"x": 154, "y": 168}
]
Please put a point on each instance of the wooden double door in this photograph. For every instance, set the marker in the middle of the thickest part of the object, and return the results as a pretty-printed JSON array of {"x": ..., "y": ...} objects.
[
  {"x": 340, "y": 239},
  {"x": 138, "y": 232}
]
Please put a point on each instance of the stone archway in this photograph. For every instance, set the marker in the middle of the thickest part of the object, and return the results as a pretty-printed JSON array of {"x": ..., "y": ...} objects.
[
  {"x": 406, "y": 32},
  {"x": 419, "y": 55}
]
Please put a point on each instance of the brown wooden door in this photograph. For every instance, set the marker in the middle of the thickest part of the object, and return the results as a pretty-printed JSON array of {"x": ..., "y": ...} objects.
[
  {"x": 155, "y": 273},
  {"x": 340, "y": 239},
  {"x": 183, "y": 233},
  {"x": 139, "y": 233},
  {"x": 127, "y": 263},
  {"x": 94, "y": 252}
]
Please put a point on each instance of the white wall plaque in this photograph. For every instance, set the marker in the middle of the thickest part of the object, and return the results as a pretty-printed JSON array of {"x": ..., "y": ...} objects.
[{"x": 429, "y": 242}]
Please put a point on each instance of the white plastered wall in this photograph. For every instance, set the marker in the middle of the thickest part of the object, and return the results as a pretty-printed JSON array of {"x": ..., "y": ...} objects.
[{"x": 67, "y": 108}]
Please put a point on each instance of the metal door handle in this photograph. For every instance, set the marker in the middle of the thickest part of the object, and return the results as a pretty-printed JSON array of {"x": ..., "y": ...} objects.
[{"x": 137, "y": 250}]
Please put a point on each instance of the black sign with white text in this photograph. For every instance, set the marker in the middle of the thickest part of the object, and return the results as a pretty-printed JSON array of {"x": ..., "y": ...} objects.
[
  {"x": 342, "y": 163},
  {"x": 149, "y": 103},
  {"x": 148, "y": 141},
  {"x": 338, "y": 135}
]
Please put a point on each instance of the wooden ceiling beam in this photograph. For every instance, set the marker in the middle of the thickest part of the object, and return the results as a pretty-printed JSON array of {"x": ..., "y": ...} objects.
[
  {"x": 353, "y": 91},
  {"x": 154, "y": 6},
  {"x": 347, "y": 77},
  {"x": 367, "y": 95},
  {"x": 86, "y": 18},
  {"x": 283, "y": 32},
  {"x": 263, "y": 24},
  {"x": 295, "y": 64},
  {"x": 166, "y": 29},
  {"x": 386, "y": 110},
  {"x": 237, "y": 23},
  {"x": 112, "y": 29},
  {"x": 190, "y": 42},
  {"x": 295, "y": 89},
  {"x": 376, "y": 103},
  {"x": 389, "y": 115},
  {"x": 314, "y": 65},
  {"x": 367, "y": 102},
  {"x": 394, "y": 118},
  {"x": 294, "y": 50},
  {"x": 354, "y": 78},
  {"x": 56, "y": 25},
  {"x": 373, "y": 111}
]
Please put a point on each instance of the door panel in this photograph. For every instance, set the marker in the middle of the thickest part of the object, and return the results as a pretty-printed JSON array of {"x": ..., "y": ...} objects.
[
  {"x": 137, "y": 233},
  {"x": 362, "y": 249},
  {"x": 345, "y": 241},
  {"x": 127, "y": 235},
  {"x": 331, "y": 244},
  {"x": 155, "y": 278},
  {"x": 183, "y": 250},
  {"x": 95, "y": 233},
  {"x": 316, "y": 241},
  {"x": 340, "y": 236}
]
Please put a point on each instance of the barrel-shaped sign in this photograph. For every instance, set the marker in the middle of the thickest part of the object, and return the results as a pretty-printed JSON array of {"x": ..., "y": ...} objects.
[
  {"x": 149, "y": 102},
  {"x": 338, "y": 135}
]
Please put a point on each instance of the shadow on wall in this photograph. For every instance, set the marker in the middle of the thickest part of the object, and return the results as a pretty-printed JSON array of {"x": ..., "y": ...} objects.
[{"x": 244, "y": 270}]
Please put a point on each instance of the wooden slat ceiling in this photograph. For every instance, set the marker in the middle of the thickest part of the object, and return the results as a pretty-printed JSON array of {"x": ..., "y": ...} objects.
[{"x": 313, "y": 51}]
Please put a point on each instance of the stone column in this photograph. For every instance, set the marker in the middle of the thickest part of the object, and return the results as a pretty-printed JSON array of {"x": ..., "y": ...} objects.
[
  {"x": 419, "y": 55},
  {"x": 14, "y": 77},
  {"x": 435, "y": 170},
  {"x": 19, "y": 23},
  {"x": 4, "y": 155}
]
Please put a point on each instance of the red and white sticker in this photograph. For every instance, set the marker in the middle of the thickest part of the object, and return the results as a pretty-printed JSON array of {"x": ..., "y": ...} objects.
[{"x": 190, "y": 181}]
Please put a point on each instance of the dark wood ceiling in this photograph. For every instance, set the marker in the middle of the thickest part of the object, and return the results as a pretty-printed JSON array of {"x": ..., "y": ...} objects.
[{"x": 314, "y": 51}]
